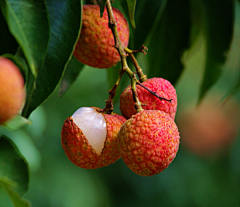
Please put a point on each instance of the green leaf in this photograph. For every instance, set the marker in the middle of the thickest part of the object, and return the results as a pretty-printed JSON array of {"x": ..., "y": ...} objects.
[
  {"x": 169, "y": 40},
  {"x": 233, "y": 60},
  {"x": 102, "y": 4},
  {"x": 16, "y": 199},
  {"x": 16, "y": 123},
  {"x": 147, "y": 14},
  {"x": 27, "y": 20},
  {"x": 14, "y": 168},
  {"x": 65, "y": 25},
  {"x": 8, "y": 42},
  {"x": 131, "y": 10},
  {"x": 218, "y": 31},
  {"x": 70, "y": 75}
]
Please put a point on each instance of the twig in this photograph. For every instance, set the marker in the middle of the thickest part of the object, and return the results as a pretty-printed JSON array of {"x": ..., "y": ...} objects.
[
  {"x": 154, "y": 93},
  {"x": 141, "y": 75},
  {"x": 120, "y": 48},
  {"x": 143, "y": 50},
  {"x": 109, "y": 103}
]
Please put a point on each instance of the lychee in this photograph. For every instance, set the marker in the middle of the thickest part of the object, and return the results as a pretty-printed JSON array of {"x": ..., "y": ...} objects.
[
  {"x": 12, "y": 91},
  {"x": 95, "y": 46},
  {"x": 148, "y": 142},
  {"x": 89, "y": 137},
  {"x": 210, "y": 129},
  {"x": 161, "y": 87}
]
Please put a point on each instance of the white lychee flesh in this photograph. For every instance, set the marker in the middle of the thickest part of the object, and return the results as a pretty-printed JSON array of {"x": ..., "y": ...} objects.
[{"x": 93, "y": 126}]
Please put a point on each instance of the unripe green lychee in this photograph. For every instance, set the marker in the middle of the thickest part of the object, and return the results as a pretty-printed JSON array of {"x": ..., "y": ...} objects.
[
  {"x": 12, "y": 91},
  {"x": 89, "y": 137},
  {"x": 95, "y": 46},
  {"x": 162, "y": 87},
  {"x": 148, "y": 142}
]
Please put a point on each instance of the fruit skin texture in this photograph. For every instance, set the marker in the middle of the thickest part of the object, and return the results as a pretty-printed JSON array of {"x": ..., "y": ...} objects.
[
  {"x": 95, "y": 44},
  {"x": 150, "y": 102},
  {"x": 79, "y": 151},
  {"x": 12, "y": 92},
  {"x": 148, "y": 142}
]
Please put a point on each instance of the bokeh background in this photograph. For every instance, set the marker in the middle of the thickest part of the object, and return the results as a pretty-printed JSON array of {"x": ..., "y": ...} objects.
[{"x": 205, "y": 172}]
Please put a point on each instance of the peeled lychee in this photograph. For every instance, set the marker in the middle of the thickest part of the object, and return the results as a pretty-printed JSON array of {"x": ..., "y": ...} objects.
[
  {"x": 89, "y": 137},
  {"x": 95, "y": 46},
  {"x": 12, "y": 91},
  {"x": 162, "y": 87},
  {"x": 148, "y": 142}
]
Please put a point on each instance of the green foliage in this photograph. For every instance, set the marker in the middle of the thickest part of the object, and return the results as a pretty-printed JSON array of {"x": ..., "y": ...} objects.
[
  {"x": 70, "y": 75},
  {"x": 40, "y": 36},
  {"x": 147, "y": 15},
  {"x": 169, "y": 41},
  {"x": 13, "y": 172},
  {"x": 102, "y": 4},
  {"x": 16, "y": 123},
  {"x": 16, "y": 199},
  {"x": 30, "y": 28},
  {"x": 10, "y": 45},
  {"x": 218, "y": 22},
  {"x": 165, "y": 29},
  {"x": 131, "y": 7},
  {"x": 65, "y": 23}
]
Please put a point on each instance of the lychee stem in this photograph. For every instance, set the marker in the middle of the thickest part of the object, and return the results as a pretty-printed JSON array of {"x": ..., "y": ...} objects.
[
  {"x": 123, "y": 52},
  {"x": 154, "y": 93},
  {"x": 109, "y": 103},
  {"x": 143, "y": 50},
  {"x": 141, "y": 75},
  {"x": 137, "y": 103},
  {"x": 113, "y": 26},
  {"x": 120, "y": 48}
]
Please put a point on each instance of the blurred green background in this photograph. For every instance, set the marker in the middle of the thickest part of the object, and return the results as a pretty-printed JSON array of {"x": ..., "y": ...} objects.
[
  {"x": 205, "y": 172},
  {"x": 191, "y": 180}
]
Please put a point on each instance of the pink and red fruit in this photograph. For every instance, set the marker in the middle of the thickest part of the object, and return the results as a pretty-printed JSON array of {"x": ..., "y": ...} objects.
[
  {"x": 148, "y": 142},
  {"x": 12, "y": 92},
  {"x": 92, "y": 141},
  {"x": 95, "y": 46},
  {"x": 162, "y": 88}
]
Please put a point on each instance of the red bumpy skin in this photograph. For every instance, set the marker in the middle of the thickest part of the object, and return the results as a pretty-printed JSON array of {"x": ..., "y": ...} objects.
[
  {"x": 161, "y": 86},
  {"x": 78, "y": 150},
  {"x": 95, "y": 44},
  {"x": 148, "y": 142},
  {"x": 12, "y": 91}
]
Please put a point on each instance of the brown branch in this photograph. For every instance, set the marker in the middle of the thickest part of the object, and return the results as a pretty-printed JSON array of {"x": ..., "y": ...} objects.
[
  {"x": 109, "y": 103},
  {"x": 120, "y": 48},
  {"x": 143, "y": 50},
  {"x": 141, "y": 75}
]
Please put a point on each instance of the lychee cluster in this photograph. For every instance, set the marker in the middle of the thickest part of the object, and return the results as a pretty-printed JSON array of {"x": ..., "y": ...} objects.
[
  {"x": 147, "y": 142},
  {"x": 92, "y": 138}
]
